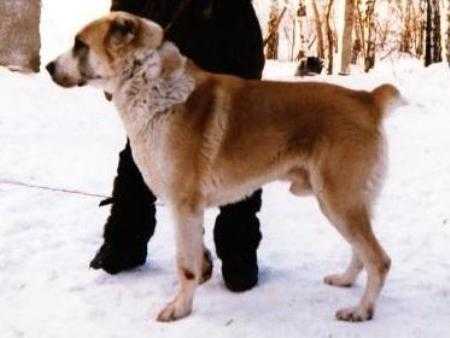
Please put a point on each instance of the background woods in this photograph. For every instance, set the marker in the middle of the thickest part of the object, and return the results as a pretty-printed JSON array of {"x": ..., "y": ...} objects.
[
  {"x": 339, "y": 32},
  {"x": 344, "y": 32}
]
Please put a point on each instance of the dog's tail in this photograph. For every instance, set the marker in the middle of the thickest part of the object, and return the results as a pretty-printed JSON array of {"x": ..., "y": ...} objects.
[{"x": 387, "y": 98}]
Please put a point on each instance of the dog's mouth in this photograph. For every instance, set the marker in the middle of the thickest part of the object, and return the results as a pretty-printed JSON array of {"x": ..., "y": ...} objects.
[
  {"x": 65, "y": 82},
  {"x": 85, "y": 79}
]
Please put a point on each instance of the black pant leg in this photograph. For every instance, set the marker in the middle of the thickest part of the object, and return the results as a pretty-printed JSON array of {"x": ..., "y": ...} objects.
[
  {"x": 237, "y": 237},
  {"x": 131, "y": 222},
  {"x": 225, "y": 37}
]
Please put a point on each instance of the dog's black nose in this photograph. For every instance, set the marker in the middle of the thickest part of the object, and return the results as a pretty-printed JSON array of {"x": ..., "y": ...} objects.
[{"x": 51, "y": 67}]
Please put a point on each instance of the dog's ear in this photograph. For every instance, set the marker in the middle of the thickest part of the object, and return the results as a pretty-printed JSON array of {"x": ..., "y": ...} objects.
[
  {"x": 122, "y": 32},
  {"x": 171, "y": 58},
  {"x": 151, "y": 34}
]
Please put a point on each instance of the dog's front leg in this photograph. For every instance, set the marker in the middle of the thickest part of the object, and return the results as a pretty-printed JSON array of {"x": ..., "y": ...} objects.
[{"x": 189, "y": 259}]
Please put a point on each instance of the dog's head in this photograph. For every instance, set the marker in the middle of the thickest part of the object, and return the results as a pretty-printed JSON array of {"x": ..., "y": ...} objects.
[{"x": 102, "y": 47}]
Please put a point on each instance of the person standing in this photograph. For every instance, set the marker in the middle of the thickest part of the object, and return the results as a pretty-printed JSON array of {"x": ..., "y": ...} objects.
[{"x": 221, "y": 36}]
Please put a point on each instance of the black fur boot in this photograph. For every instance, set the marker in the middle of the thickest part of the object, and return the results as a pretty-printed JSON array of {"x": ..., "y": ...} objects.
[
  {"x": 132, "y": 220},
  {"x": 237, "y": 236}
]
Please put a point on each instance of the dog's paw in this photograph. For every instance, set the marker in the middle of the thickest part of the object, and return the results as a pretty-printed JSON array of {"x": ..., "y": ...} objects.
[
  {"x": 355, "y": 314},
  {"x": 340, "y": 280},
  {"x": 175, "y": 310}
]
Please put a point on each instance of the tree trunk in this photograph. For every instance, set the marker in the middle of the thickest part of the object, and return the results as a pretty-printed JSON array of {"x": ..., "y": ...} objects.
[
  {"x": 433, "y": 47},
  {"x": 347, "y": 10},
  {"x": 437, "y": 51},
  {"x": 273, "y": 36},
  {"x": 422, "y": 27},
  {"x": 369, "y": 62},
  {"x": 437, "y": 57},
  {"x": 416, "y": 28},
  {"x": 319, "y": 32},
  {"x": 448, "y": 32},
  {"x": 429, "y": 37},
  {"x": 302, "y": 25},
  {"x": 358, "y": 44},
  {"x": 407, "y": 28},
  {"x": 19, "y": 34},
  {"x": 330, "y": 39}
]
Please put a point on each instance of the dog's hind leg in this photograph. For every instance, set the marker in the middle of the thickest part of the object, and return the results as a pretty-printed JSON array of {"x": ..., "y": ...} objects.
[
  {"x": 301, "y": 186},
  {"x": 354, "y": 225},
  {"x": 344, "y": 199},
  {"x": 347, "y": 278},
  {"x": 190, "y": 260}
]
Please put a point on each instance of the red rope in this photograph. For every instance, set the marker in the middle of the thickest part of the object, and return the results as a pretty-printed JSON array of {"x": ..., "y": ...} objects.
[{"x": 42, "y": 187}]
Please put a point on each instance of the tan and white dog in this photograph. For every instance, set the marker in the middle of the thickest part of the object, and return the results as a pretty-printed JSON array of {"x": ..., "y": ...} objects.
[{"x": 203, "y": 140}]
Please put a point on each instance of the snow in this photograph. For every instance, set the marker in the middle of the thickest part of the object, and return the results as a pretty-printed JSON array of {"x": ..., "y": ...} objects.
[{"x": 70, "y": 139}]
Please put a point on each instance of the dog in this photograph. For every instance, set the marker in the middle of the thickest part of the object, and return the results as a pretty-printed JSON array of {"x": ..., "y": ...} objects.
[{"x": 203, "y": 140}]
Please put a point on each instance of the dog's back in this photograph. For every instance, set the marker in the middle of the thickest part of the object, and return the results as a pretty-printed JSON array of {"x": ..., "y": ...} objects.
[{"x": 257, "y": 131}]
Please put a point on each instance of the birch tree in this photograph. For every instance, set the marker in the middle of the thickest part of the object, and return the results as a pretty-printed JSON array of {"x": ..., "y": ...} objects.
[
  {"x": 369, "y": 61},
  {"x": 433, "y": 47},
  {"x": 448, "y": 32},
  {"x": 358, "y": 44},
  {"x": 302, "y": 26},
  {"x": 421, "y": 28},
  {"x": 345, "y": 22},
  {"x": 273, "y": 36},
  {"x": 19, "y": 34},
  {"x": 319, "y": 32},
  {"x": 406, "y": 38},
  {"x": 330, "y": 39},
  {"x": 437, "y": 42}
]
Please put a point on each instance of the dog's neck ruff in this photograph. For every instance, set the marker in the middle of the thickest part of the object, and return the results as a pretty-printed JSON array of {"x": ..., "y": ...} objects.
[{"x": 143, "y": 93}]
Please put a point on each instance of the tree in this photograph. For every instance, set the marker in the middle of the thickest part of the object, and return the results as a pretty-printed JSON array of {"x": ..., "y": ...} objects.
[
  {"x": 407, "y": 29},
  {"x": 346, "y": 10},
  {"x": 319, "y": 31},
  {"x": 330, "y": 38},
  {"x": 422, "y": 27},
  {"x": 437, "y": 51},
  {"x": 359, "y": 43},
  {"x": 302, "y": 24},
  {"x": 369, "y": 61},
  {"x": 433, "y": 47},
  {"x": 273, "y": 36},
  {"x": 448, "y": 32},
  {"x": 19, "y": 34}
]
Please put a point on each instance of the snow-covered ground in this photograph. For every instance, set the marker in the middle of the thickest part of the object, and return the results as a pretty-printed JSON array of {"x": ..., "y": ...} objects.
[{"x": 70, "y": 139}]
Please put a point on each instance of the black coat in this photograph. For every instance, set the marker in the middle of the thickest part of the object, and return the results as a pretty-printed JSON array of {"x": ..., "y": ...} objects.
[{"x": 221, "y": 36}]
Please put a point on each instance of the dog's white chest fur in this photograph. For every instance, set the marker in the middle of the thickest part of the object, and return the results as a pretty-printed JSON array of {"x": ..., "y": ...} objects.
[{"x": 145, "y": 101}]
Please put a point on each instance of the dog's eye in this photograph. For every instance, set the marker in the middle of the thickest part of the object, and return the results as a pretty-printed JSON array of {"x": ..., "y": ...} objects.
[{"x": 79, "y": 46}]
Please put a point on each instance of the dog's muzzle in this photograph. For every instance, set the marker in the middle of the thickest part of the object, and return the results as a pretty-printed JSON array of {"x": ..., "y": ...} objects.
[{"x": 61, "y": 79}]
